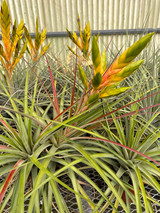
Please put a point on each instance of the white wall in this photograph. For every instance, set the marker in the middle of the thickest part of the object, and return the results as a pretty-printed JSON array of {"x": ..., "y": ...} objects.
[{"x": 57, "y": 15}]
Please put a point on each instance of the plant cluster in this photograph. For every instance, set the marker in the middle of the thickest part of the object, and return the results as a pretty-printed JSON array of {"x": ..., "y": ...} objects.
[{"x": 62, "y": 128}]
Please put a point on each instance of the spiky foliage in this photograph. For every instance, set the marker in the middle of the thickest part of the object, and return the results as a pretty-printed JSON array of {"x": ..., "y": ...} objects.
[
  {"x": 83, "y": 43},
  {"x": 11, "y": 51},
  {"x": 105, "y": 80},
  {"x": 36, "y": 50},
  {"x": 42, "y": 141}
]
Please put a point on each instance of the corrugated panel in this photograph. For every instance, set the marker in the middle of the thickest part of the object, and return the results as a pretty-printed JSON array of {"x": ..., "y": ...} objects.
[{"x": 57, "y": 15}]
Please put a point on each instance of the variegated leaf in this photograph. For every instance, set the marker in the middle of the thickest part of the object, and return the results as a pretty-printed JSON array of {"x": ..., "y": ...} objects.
[{"x": 132, "y": 52}]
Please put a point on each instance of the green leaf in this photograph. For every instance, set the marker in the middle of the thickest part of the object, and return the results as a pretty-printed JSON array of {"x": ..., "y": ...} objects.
[
  {"x": 141, "y": 184},
  {"x": 44, "y": 49},
  {"x": 104, "y": 61},
  {"x": 131, "y": 53},
  {"x": 86, "y": 39},
  {"x": 73, "y": 36},
  {"x": 96, "y": 81},
  {"x": 21, "y": 189},
  {"x": 83, "y": 77},
  {"x": 119, "y": 76},
  {"x": 113, "y": 92},
  {"x": 93, "y": 98},
  {"x": 96, "y": 56},
  {"x": 135, "y": 49},
  {"x": 136, "y": 191},
  {"x": 101, "y": 173},
  {"x": 129, "y": 69}
]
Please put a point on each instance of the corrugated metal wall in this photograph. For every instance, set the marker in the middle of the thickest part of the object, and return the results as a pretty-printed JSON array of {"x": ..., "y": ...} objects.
[{"x": 57, "y": 15}]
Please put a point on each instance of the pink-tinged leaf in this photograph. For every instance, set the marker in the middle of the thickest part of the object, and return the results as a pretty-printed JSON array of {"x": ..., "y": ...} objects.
[
  {"x": 9, "y": 178},
  {"x": 3, "y": 147},
  {"x": 58, "y": 116},
  {"x": 53, "y": 86},
  {"x": 40, "y": 82},
  {"x": 7, "y": 127},
  {"x": 127, "y": 114},
  {"x": 118, "y": 144},
  {"x": 125, "y": 106},
  {"x": 118, "y": 75}
]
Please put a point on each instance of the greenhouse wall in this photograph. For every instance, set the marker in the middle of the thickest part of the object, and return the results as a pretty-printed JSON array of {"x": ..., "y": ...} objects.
[{"x": 57, "y": 15}]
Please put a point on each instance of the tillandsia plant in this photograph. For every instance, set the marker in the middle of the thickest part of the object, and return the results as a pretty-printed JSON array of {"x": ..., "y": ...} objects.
[
  {"x": 11, "y": 51},
  {"x": 133, "y": 133},
  {"x": 44, "y": 142},
  {"x": 83, "y": 43},
  {"x": 105, "y": 80},
  {"x": 36, "y": 50}
]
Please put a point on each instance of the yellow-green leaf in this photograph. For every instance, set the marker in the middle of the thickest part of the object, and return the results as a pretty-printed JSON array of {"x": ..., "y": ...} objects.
[
  {"x": 72, "y": 51},
  {"x": 73, "y": 36},
  {"x": 86, "y": 39},
  {"x": 44, "y": 49},
  {"x": 113, "y": 92},
  {"x": 79, "y": 25},
  {"x": 13, "y": 32},
  {"x": 43, "y": 35},
  {"x": 129, "y": 69},
  {"x": 132, "y": 52},
  {"x": 29, "y": 40},
  {"x": 104, "y": 61},
  {"x": 96, "y": 56},
  {"x": 123, "y": 73},
  {"x": 18, "y": 36},
  {"x": 14, "y": 63},
  {"x": 83, "y": 78},
  {"x": 16, "y": 52},
  {"x": 93, "y": 98}
]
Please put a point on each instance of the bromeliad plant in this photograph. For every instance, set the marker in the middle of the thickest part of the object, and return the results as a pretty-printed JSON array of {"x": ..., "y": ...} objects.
[
  {"x": 105, "y": 80},
  {"x": 83, "y": 43},
  {"x": 41, "y": 142},
  {"x": 11, "y": 51},
  {"x": 35, "y": 48}
]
